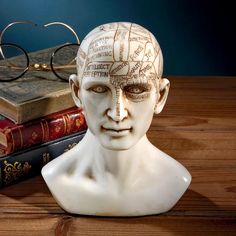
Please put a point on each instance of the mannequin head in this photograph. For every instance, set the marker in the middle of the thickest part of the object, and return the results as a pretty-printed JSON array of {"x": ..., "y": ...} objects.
[{"x": 119, "y": 83}]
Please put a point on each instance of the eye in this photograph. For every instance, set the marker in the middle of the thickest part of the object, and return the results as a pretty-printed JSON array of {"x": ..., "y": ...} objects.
[
  {"x": 99, "y": 89},
  {"x": 138, "y": 92},
  {"x": 137, "y": 89}
]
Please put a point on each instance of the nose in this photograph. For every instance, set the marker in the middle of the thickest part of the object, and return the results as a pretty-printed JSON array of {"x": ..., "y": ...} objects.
[{"x": 117, "y": 110}]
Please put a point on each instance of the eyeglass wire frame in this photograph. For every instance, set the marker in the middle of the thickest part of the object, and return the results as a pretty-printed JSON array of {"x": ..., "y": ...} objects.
[{"x": 38, "y": 67}]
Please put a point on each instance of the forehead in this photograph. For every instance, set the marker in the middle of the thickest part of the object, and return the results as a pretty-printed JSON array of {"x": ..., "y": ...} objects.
[
  {"x": 119, "y": 74},
  {"x": 120, "y": 70},
  {"x": 119, "y": 49}
]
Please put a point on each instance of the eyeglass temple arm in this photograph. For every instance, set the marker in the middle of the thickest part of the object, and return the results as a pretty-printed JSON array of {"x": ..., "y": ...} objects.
[
  {"x": 29, "y": 22},
  {"x": 10, "y": 25},
  {"x": 65, "y": 25}
]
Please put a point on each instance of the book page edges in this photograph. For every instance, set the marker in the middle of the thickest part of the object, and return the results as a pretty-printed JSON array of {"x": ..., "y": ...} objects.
[{"x": 38, "y": 107}]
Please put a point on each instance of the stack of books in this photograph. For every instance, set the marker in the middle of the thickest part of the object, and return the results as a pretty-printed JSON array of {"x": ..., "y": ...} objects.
[{"x": 38, "y": 122}]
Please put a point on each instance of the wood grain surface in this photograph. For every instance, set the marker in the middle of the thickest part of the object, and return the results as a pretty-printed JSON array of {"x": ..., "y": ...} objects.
[{"x": 197, "y": 128}]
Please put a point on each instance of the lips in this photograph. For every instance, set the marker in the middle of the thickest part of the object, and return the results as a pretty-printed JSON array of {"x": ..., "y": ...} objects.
[{"x": 116, "y": 130}]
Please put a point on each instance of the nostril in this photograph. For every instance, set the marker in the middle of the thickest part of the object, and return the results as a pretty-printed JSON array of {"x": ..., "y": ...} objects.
[{"x": 117, "y": 117}]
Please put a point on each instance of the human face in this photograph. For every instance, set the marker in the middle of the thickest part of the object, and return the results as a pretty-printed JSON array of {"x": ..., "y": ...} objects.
[{"x": 118, "y": 111}]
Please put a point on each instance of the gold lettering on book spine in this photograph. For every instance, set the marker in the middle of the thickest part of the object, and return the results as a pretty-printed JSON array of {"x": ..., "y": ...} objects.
[
  {"x": 13, "y": 142},
  {"x": 21, "y": 138},
  {"x": 15, "y": 171},
  {"x": 70, "y": 146},
  {"x": 46, "y": 158},
  {"x": 67, "y": 124}
]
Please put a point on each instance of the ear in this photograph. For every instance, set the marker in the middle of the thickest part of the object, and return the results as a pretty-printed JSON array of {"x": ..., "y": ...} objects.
[
  {"x": 75, "y": 86},
  {"x": 162, "y": 96}
]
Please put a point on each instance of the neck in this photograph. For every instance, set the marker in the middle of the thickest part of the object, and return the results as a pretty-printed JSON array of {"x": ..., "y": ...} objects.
[{"x": 116, "y": 162}]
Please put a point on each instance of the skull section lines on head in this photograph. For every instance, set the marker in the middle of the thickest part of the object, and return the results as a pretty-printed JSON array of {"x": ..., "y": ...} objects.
[{"x": 120, "y": 49}]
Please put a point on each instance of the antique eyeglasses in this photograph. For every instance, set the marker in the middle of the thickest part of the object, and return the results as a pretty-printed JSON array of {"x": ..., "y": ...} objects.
[{"x": 15, "y": 61}]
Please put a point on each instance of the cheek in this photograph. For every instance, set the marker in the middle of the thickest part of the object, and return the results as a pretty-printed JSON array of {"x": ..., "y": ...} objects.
[
  {"x": 143, "y": 115},
  {"x": 144, "y": 108},
  {"x": 89, "y": 109},
  {"x": 145, "y": 119},
  {"x": 93, "y": 104}
]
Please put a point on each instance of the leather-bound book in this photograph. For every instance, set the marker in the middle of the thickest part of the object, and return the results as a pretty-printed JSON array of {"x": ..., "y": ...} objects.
[
  {"x": 36, "y": 94},
  {"x": 15, "y": 137},
  {"x": 29, "y": 162}
]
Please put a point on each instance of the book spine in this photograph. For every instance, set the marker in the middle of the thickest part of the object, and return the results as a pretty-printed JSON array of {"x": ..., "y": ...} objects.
[
  {"x": 43, "y": 130},
  {"x": 28, "y": 163},
  {"x": 2, "y": 150}
]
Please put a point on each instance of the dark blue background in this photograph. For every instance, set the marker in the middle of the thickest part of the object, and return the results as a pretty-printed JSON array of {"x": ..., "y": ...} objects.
[{"x": 196, "y": 37}]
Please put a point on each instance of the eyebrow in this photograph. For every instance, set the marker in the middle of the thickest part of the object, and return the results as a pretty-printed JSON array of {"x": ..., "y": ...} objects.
[
  {"x": 123, "y": 81},
  {"x": 95, "y": 80}
]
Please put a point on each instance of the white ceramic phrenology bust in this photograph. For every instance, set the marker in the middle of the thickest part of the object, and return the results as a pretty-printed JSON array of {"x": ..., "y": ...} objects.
[{"x": 115, "y": 170}]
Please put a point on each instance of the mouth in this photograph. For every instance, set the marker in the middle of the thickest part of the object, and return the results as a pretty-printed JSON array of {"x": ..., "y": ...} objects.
[{"x": 116, "y": 131}]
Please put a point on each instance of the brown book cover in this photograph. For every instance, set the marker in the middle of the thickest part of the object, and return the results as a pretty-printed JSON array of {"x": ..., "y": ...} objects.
[
  {"x": 15, "y": 137},
  {"x": 35, "y": 95}
]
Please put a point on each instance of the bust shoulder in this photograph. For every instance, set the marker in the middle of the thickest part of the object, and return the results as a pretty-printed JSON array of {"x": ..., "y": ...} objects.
[{"x": 153, "y": 184}]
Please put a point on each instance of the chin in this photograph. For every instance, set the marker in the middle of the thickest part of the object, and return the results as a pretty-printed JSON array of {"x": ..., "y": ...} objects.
[
  {"x": 115, "y": 147},
  {"x": 120, "y": 144}
]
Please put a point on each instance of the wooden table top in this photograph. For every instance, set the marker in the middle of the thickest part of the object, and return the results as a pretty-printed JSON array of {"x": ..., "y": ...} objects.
[{"x": 197, "y": 128}]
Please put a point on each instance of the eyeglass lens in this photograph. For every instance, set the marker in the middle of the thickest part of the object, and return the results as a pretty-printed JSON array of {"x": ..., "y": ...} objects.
[
  {"x": 13, "y": 62},
  {"x": 63, "y": 61}
]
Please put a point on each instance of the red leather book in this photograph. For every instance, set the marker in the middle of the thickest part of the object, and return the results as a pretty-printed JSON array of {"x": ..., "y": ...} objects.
[
  {"x": 14, "y": 137},
  {"x": 2, "y": 150}
]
